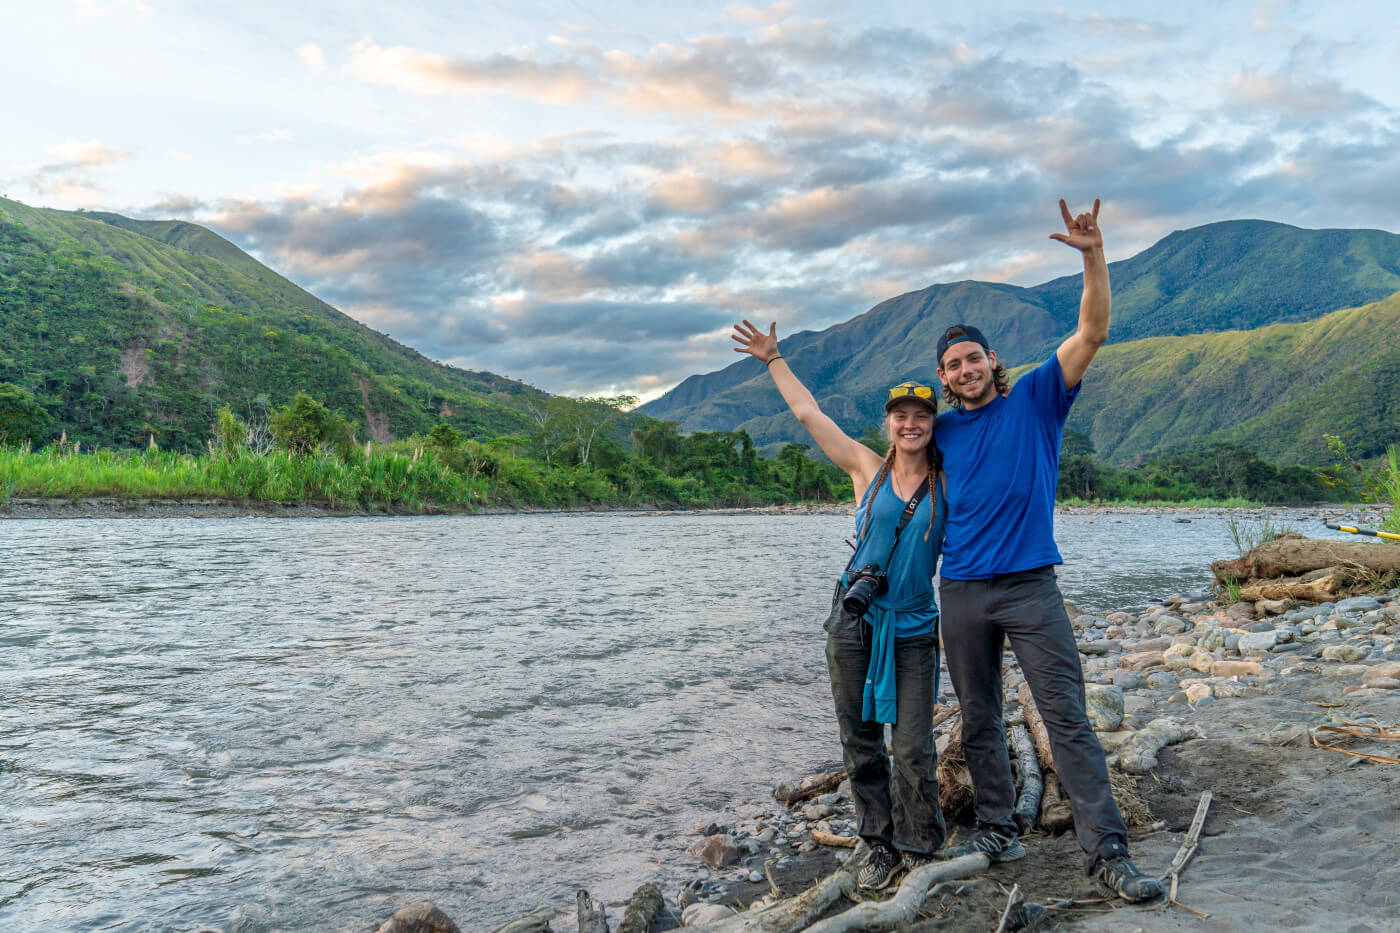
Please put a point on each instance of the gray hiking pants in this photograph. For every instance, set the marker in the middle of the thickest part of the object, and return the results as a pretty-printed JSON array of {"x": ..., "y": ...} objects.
[
  {"x": 897, "y": 807},
  {"x": 1027, "y": 608}
]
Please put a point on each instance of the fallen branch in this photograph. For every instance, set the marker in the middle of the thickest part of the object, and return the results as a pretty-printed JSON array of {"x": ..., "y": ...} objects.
[
  {"x": 592, "y": 915},
  {"x": 1039, "y": 734},
  {"x": 536, "y": 921},
  {"x": 790, "y": 915},
  {"x": 1188, "y": 849},
  {"x": 1028, "y": 802},
  {"x": 945, "y": 714},
  {"x": 642, "y": 910},
  {"x": 1010, "y": 902},
  {"x": 821, "y": 837},
  {"x": 1360, "y": 730},
  {"x": 901, "y": 910},
  {"x": 809, "y": 786}
]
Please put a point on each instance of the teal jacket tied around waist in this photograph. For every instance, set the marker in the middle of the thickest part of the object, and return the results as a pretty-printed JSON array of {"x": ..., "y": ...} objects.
[{"x": 907, "y": 608}]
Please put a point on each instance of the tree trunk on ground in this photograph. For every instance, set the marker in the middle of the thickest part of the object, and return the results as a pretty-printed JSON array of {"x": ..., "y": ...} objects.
[
  {"x": 1028, "y": 801},
  {"x": 1292, "y": 556},
  {"x": 646, "y": 905},
  {"x": 903, "y": 909},
  {"x": 1036, "y": 726},
  {"x": 1319, "y": 590},
  {"x": 788, "y": 916},
  {"x": 592, "y": 915}
]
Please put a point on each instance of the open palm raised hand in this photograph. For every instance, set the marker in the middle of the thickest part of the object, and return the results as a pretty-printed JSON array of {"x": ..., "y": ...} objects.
[
  {"x": 1082, "y": 232},
  {"x": 756, "y": 342}
]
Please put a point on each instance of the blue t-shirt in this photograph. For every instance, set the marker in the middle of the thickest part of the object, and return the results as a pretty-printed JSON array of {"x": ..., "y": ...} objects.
[
  {"x": 1003, "y": 464},
  {"x": 911, "y": 569}
]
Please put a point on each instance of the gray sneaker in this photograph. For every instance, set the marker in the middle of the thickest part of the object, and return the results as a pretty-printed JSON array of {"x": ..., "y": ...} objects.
[
  {"x": 1116, "y": 874},
  {"x": 997, "y": 846},
  {"x": 878, "y": 869}
]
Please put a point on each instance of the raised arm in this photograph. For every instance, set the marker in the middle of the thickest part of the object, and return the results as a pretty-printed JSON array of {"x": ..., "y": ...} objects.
[
  {"x": 1077, "y": 352},
  {"x": 858, "y": 461}
]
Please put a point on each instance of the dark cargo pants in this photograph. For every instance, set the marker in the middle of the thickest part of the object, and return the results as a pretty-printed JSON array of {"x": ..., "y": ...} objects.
[
  {"x": 897, "y": 806},
  {"x": 1027, "y": 608}
]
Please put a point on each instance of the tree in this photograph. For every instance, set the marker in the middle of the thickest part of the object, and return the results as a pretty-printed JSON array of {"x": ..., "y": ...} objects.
[
  {"x": 22, "y": 418},
  {"x": 304, "y": 424}
]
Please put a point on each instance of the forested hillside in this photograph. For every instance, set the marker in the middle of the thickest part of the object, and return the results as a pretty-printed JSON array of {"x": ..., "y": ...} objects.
[
  {"x": 127, "y": 330},
  {"x": 1234, "y": 275}
]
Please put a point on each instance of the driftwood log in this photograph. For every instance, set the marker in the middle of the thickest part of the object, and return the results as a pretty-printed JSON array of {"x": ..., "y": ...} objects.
[
  {"x": 1292, "y": 555},
  {"x": 1317, "y": 587},
  {"x": 642, "y": 910},
  {"x": 536, "y": 921},
  {"x": 1055, "y": 813},
  {"x": 788, "y": 916},
  {"x": 592, "y": 915},
  {"x": 901, "y": 910},
  {"x": 1039, "y": 735},
  {"x": 823, "y": 838},
  {"x": 1028, "y": 768},
  {"x": 809, "y": 786},
  {"x": 954, "y": 780}
]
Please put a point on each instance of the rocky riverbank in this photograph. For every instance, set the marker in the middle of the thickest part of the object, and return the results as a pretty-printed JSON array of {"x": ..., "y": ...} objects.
[{"x": 1186, "y": 696}]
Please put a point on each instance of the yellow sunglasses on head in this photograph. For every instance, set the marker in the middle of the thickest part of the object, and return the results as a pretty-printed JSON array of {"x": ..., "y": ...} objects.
[{"x": 905, "y": 389}]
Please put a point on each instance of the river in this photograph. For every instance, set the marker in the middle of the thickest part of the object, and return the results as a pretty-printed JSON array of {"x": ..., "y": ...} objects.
[{"x": 279, "y": 724}]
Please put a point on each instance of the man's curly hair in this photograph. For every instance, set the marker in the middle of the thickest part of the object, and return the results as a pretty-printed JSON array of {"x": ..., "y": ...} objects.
[{"x": 1000, "y": 380}]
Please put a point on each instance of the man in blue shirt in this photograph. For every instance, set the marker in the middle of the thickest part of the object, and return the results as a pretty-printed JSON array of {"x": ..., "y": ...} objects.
[{"x": 1000, "y": 449}]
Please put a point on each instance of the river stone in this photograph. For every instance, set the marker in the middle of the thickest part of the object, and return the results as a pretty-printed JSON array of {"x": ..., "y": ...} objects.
[
  {"x": 1235, "y": 669},
  {"x": 1213, "y": 639},
  {"x": 718, "y": 850},
  {"x": 1344, "y": 653},
  {"x": 1273, "y": 607},
  {"x": 1202, "y": 660},
  {"x": 1127, "y": 680},
  {"x": 1284, "y": 647},
  {"x": 1229, "y": 688},
  {"x": 1141, "y": 660},
  {"x": 1258, "y": 642},
  {"x": 1243, "y": 612},
  {"x": 1120, "y": 618},
  {"x": 1389, "y": 670},
  {"x": 1104, "y": 705},
  {"x": 1260, "y": 626},
  {"x": 1358, "y": 604},
  {"x": 1196, "y": 692},
  {"x": 1345, "y": 670},
  {"x": 817, "y": 811},
  {"x": 1161, "y": 680},
  {"x": 422, "y": 917},
  {"x": 1170, "y": 625},
  {"x": 1095, "y": 648}
]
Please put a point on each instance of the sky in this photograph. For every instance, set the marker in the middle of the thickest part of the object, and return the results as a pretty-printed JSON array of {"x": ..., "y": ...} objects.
[{"x": 586, "y": 195}]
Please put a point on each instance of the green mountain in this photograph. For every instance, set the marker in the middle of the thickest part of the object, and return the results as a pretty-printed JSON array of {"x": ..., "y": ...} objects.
[
  {"x": 1231, "y": 275},
  {"x": 1275, "y": 390},
  {"x": 126, "y": 328}
]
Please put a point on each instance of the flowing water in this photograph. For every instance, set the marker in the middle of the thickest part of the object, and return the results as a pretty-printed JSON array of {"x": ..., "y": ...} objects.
[{"x": 280, "y": 724}]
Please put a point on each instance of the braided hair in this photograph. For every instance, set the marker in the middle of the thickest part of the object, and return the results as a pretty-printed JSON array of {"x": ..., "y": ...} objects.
[{"x": 935, "y": 463}]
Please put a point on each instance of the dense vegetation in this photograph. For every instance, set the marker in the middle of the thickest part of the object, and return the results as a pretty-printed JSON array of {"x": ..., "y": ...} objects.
[
  {"x": 126, "y": 331},
  {"x": 576, "y": 455},
  {"x": 1222, "y": 473}
]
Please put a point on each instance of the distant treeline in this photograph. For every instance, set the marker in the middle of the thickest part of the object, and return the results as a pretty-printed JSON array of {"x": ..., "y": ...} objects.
[
  {"x": 575, "y": 454},
  {"x": 1217, "y": 472}
]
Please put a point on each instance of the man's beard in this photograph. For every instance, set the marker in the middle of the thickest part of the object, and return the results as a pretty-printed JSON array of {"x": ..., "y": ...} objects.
[{"x": 988, "y": 388}]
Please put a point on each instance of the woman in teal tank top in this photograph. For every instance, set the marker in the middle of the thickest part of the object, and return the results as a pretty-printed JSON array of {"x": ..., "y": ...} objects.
[{"x": 882, "y": 637}]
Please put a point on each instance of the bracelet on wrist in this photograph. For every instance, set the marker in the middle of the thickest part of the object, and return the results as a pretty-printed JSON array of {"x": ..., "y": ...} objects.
[{"x": 775, "y": 356}]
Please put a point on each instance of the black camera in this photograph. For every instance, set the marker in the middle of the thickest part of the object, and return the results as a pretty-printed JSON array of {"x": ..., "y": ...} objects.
[{"x": 869, "y": 582}]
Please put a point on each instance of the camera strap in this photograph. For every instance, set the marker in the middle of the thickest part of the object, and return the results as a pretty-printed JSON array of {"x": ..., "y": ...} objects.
[{"x": 910, "y": 508}]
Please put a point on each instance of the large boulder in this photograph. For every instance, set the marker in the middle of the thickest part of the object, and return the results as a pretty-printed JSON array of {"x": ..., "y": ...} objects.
[{"x": 1104, "y": 705}]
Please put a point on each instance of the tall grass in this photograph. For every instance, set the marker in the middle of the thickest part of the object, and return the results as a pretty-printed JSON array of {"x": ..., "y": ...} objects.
[
  {"x": 1387, "y": 479},
  {"x": 382, "y": 478},
  {"x": 1248, "y": 534}
]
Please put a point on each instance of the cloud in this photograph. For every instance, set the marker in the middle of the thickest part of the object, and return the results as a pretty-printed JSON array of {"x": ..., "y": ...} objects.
[
  {"x": 276, "y": 135},
  {"x": 70, "y": 176},
  {"x": 795, "y": 170},
  {"x": 312, "y": 56}
]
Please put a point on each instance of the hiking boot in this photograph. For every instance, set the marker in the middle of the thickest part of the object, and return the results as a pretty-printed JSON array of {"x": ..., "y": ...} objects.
[
  {"x": 913, "y": 860},
  {"x": 878, "y": 869},
  {"x": 1116, "y": 874},
  {"x": 996, "y": 845}
]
